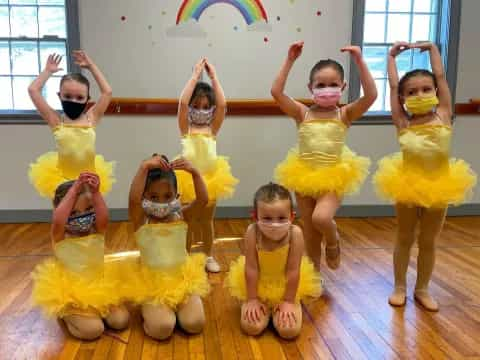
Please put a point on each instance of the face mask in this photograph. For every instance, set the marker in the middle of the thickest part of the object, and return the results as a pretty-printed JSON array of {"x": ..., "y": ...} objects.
[
  {"x": 420, "y": 105},
  {"x": 161, "y": 210},
  {"x": 73, "y": 109},
  {"x": 200, "y": 117},
  {"x": 81, "y": 224},
  {"x": 327, "y": 97},
  {"x": 274, "y": 230}
]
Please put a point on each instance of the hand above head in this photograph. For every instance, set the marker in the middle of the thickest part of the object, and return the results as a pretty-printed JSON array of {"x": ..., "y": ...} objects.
[
  {"x": 183, "y": 164},
  {"x": 82, "y": 59},
  {"x": 199, "y": 66},
  {"x": 211, "y": 72},
  {"x": 399, "y": 47},
  {"x": 422, "y": 45},
  {"x": 157, "y": 161},
  {"x": 295, "y": 51},
  {"x": 355, "y": 51},
  {"x": 53, "y": 63}
]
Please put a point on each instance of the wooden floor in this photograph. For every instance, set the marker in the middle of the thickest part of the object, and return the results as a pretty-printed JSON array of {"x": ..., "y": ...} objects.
[{"x": 351, "y": 321}]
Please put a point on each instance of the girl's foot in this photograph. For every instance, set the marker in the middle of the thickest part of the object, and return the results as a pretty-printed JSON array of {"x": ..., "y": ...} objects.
[
  {"x": 332, "y": 255},
  {"x": 398, "y": 297},
  {"x": 426, "y": 300},
  {"x": 212, "y": 265}
]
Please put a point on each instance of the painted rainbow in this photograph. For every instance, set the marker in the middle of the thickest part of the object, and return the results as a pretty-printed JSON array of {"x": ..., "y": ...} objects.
[{"x": 251, "y": 10}]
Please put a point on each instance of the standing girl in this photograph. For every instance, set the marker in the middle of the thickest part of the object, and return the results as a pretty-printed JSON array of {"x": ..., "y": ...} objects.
[
  {"x": 421, "y": 180},
  {"x": 74, "y": 130},
  {"x": 201, "y": 113},
  {"x": 322, "y": 169}
]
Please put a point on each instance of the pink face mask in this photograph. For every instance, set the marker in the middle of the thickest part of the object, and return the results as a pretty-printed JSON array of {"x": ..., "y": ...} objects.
[
  {"x": 274, "y": 230},
  {"x": 327, "y": 97}
]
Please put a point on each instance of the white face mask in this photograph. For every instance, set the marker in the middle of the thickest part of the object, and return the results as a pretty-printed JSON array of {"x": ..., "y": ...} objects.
[
  {"x": 200, "y": 117},
  {"x": 161, "y": 210},
  {"x": 274, "y": 230}
]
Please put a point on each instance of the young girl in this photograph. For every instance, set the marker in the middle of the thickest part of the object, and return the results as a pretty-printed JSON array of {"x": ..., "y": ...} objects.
[
  {"x": 273, "y": 277},
  {"x": 201, "y": 113},
  {"x": 421, "y": 180},
  {"x": 77, "y": 285},
  {"x": 74, "y": 130},
  {"x": 168, "y": 283},
  {"x": 321, "y": 170}
]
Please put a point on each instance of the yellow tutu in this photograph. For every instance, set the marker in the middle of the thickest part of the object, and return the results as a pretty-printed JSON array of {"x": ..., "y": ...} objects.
[
  {"x": 272, "y": 281},
  {"x": 201, "y": 150},
  {"x": 345, "y": 177},
  {"x": 220, "y": 183},
  {"x": 46, "y": 176},
  {"x": 165, "y": 274},
  {"x": 413, "y": 186},
  {"x": 322, "y": 163},
  {"x": 75, "y": 154},
  {"x": 168, "y": 287},
  {"x": 423, "y": 175}
]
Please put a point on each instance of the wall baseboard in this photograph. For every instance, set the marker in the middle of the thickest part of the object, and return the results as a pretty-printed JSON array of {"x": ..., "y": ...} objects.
[{"x": 234, "y": 212}]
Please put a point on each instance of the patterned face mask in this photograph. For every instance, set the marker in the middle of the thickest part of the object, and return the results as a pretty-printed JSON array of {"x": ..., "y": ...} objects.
[
  {"x": 81, "y": 224},
  {"x": 161, "y": 210},
  {"x": 200, "y": 117}
]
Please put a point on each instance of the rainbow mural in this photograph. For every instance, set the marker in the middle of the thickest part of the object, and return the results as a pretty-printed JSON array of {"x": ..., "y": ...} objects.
[{"x": 251, "y": 10}]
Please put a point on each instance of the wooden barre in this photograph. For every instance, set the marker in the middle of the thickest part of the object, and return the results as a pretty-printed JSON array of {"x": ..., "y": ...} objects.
[{"x": 236, "y": 107}]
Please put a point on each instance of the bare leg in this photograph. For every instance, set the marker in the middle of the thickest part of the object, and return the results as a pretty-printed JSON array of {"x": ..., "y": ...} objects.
[
  {"x": 407, "y": 218},
  {"x": 313, "y": 239},
  {"x": 158, "y": 321},
  {"x": 431, "y": 223},
  {"x": 323, "y": 220}
]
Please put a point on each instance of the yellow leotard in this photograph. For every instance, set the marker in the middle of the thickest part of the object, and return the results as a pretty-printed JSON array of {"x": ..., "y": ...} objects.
[
  {"x": 78, "y": 280},
  {"x": 75, "y": 154},
  {"x": 201, "y": 150},
  {"x": 272, "y": 280},
  {"x": 321, "y": 162},
  {"x": 166, "y": 274},
  {"x": 423, "y": 174}
]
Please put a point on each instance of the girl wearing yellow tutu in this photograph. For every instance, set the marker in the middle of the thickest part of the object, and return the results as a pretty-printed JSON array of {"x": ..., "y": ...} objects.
[
  {"x": 322, "y": 169},
  {"x": 77, "y": 285},
  {"x": 273, "y": 276},
  {"x": 421, "y": 180},
  {"x": 168, "y": 283},
  {"x": 201, "y": 113},
  {"x": 74, "y": 130}
]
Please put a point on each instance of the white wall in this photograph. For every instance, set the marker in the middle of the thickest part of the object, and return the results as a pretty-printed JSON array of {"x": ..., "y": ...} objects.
[{"x": 255, "y": 145}]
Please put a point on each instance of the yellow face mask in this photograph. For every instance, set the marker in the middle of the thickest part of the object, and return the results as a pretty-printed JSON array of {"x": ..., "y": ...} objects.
[{"x": 419, "y": 105}]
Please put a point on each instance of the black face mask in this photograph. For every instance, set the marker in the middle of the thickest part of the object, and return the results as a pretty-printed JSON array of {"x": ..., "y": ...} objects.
[{"x": 73, "y": 109}]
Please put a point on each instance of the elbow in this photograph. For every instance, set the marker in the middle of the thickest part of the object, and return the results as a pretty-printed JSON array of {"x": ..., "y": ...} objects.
[
  {"x": 275, "y": 92},
  {"x": 202, "y": 201},
  {"x": 108, "y": 92}
]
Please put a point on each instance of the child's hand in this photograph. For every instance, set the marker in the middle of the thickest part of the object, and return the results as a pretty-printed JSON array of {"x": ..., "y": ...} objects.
[
  {"x": 53, "y": 63},
  {"x": 92, "y": 181},
  {"x": 295, "y": 51},
  {"x": 422, "y": 45},
  {"x": 355, "y": 51},
  {"x": 212, "y": 74},
  {"x": 253, "y": 309},
  {"x": 157, "y": 161},
  {"x": 399, "y": 47},
  {"x": 199, "y": 66},
  {"x": 82, "y": 59},
  {"x": 183, "y": 164},
  {"x": 286, "y": 314}
]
